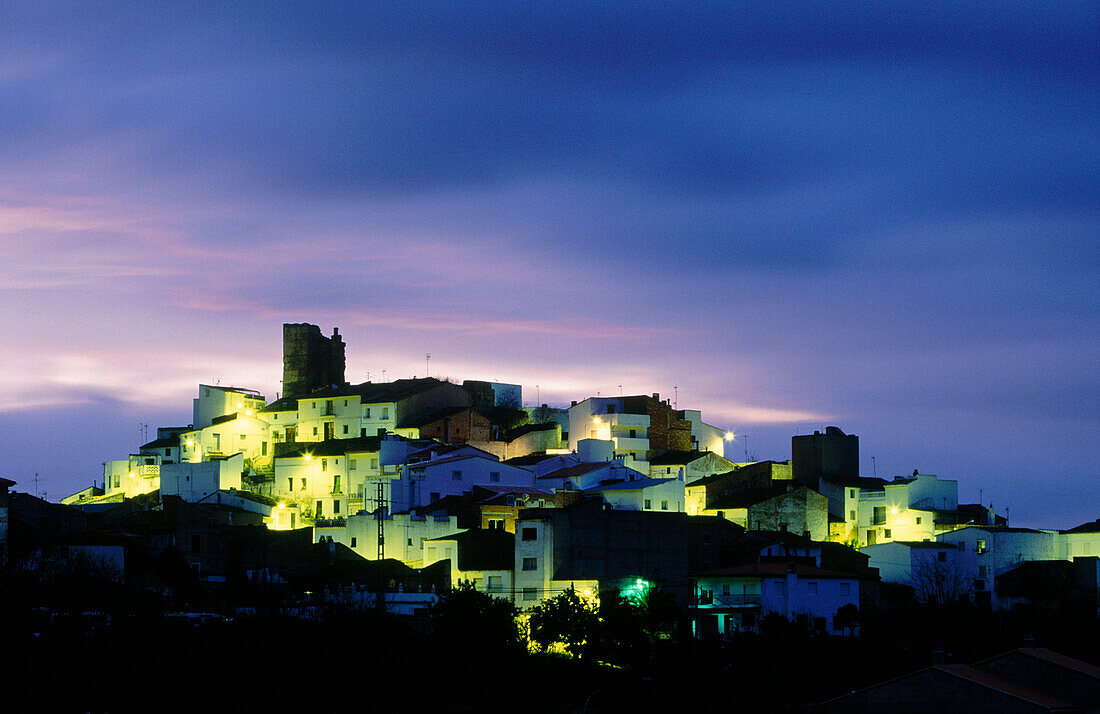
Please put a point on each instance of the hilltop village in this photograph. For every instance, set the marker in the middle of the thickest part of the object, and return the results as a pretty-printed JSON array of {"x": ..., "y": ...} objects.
[{"x": 459, "y": 482}]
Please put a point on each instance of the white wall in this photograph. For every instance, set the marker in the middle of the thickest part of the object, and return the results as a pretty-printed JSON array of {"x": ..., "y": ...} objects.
[{"x": 195, "y": 481}]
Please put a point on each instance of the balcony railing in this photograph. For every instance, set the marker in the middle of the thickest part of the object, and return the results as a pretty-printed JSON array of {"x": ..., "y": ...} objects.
[{"x": 752, "y": 600}]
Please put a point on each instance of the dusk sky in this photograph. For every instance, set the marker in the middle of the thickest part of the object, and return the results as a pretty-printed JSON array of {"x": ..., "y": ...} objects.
[{"x": 881, "y": 216}]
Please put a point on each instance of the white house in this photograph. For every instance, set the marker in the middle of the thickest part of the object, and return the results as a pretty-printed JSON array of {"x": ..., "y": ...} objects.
[
  {"x": 729, "y": 600},
  {"x": 193, "y": 482},
  {"x": 936, "y": 571},
  {"x": 642, "y": 494},
  {"x": 999, "y": 549},
  {"x": 404, "y": 535},
  {"x": 428, "y": 481}
]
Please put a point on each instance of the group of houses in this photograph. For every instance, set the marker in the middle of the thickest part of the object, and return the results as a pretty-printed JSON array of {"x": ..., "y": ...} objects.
[{"x": 442, "y": 482}]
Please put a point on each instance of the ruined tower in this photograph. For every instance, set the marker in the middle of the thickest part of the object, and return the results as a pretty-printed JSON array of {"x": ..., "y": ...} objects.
[{"x": 310, "y": 360}]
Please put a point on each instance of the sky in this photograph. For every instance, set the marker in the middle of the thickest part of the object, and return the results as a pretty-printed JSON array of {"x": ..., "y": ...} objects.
[{"x": 879, "y": 216}]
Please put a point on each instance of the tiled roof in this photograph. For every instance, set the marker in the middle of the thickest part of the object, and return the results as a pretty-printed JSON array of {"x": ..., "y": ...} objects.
[
  {"x": 678, "y": 458},
  {"x": 167, "y": 441},
  {"x": 777, "y": 570},
  {"x": 1093, "y": 527}
]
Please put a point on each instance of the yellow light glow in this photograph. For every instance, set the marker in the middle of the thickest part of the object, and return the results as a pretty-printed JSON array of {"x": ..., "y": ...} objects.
[
  {"x": 131, "y": 474},
  {"x": 190, "y": 443},
  {"x": 248, "y": 412},
  {"x": 894, "y": 509},
  {"x": 587, "y": 592},
  {"x": 239, "y": 405},
  {"x": 282, "y": 505},
  {"x": 309, "y": 457},
  {"x": 729, "y": 436},
  {"x": 596, "y": 420}
]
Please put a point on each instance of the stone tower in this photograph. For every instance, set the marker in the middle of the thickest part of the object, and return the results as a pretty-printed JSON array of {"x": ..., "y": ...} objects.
[{"x": 311, "y": 360}]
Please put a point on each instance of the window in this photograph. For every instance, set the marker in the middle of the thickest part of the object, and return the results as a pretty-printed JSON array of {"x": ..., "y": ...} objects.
[
  {"x": 217, "y": 442},
  {"x": 811, "y": 588},
  {"x": 530, "y": 563},
  {"x": 374, "y": 463},
  {"x": 983, "y": 571},
  {"x": 243, "y": 436},
  {"x": 494, "y": 477},
  {"x": 318, "y": 511},
  {"x": 496, "y": 524},
  {"x": 303, "y": 484},
  {"x": 456, "y": 475},
  {"x": 345, "y": 428},
  {"x": 336, "y": 483},
  {"x": 725, "y": 588},
  {"x": 263, "y": 448},
  {"x": 851, "y": 493},
  {"x": 410, "y": 541},
  {"x": 385, "y": 412},
  {"x": 351, "y": 464},
  {"x": 633, "y": 433},
  {"x": 529, "y": 534},
  {"x": 648, "y": 504},
  {"x": 366, "y": 412},
  {"x": 336, "y": 506},
  {"x": 918, "y": 520},
  {"x": 886, "y": 532},
  {"x": 664, "y": 505},
  {"x": 529, "y": 594},
  {"x": 345, "y": 402},
  {"x": 353, "y": 541},
  {"x": 845, "y": 589},
  {"x": 324, "y": 464},
  {"x": 510, "y": 499},
  {"x": 168, "y": 452},
  {"x": 494, "y": 583},
  {"x": 290, "y": 482},
  {"x": 879, "y": 516},
  {"x": 315, "y": 431},
  {"x": 706, "y": 597},
  {"x": 981, "y": 546}
]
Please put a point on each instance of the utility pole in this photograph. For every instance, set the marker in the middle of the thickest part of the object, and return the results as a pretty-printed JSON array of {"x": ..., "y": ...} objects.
[
  {"x": 675, "y": 397},
  {"x": 428, "y": 365},
  {"x": 380, "y": 516}
]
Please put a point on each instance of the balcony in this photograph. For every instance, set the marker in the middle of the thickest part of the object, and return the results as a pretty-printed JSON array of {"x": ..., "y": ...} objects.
[
  {"x": 627, "y": 420},
  {"x": 730, "y": 601},
  {"x": 626, "y": 443}
]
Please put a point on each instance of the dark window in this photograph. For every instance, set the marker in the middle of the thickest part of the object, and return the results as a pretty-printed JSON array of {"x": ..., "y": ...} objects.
[
  {"x": 336, "y": 506},
  {"x": 880, "y": 516},
  {"x": 529, "y": 534},
  {"x": 494, "y": 477},
  {"x": 345, "y": 428},
  {"x": 456, "y": 475},
  {"x": 886, "y": 532},
  {"x": 195, "y": 544},
  {"x": 530, "y": 563},
  {"x": 353, "y": 540}
]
